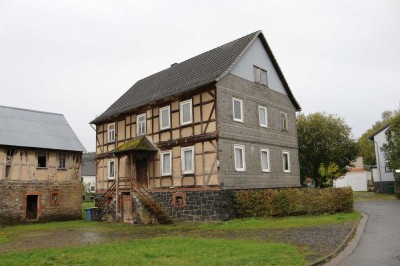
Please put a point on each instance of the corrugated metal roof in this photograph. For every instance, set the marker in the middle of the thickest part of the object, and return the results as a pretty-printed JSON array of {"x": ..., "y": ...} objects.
[{"x": 29, "y": 128}]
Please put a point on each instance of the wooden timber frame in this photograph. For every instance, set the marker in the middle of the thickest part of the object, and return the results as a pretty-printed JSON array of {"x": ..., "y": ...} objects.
[{"x": 201, "y": 134}]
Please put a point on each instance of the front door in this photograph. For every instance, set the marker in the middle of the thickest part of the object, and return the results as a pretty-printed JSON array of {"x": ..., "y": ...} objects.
[{"x": 141, "y": 171}]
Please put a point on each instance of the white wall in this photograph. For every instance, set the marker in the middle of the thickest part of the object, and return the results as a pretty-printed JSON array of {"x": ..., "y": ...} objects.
[
  {"x": 358, "y": 181},
  {"x": 90, "y": 181},
  {"x": 381, "y": 174},
  {"x": 256, "y": 55}
]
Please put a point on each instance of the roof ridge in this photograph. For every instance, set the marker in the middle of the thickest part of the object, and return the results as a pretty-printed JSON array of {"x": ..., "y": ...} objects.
[
  {"x": 30, "y": 110},
  {"x": 198, "y": 55}
]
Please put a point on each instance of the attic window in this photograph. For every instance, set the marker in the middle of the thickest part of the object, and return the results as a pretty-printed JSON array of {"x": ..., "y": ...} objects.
[{"x": 260, "y": 75}]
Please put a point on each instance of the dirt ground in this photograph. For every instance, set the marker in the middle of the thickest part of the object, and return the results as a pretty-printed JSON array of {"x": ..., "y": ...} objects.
[{"x": 319, "y": 241}]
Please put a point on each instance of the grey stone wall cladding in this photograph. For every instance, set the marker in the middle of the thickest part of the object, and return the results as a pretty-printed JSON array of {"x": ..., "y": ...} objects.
[
  {"x": 253, "y": 137},
  {"x": 12, "y": 198},
  {"x": 203, "y": 205}
]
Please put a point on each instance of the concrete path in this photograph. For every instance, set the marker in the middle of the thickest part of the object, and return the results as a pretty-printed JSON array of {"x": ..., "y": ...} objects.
[{"x": 380, "y": 241}]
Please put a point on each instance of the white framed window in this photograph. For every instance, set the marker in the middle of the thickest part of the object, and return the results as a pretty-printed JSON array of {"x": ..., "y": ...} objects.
[
  {"x": 141, "y": 124},
  {"x": 165, "y": 117},
  {"x": 186, "y": 114},
  {"x": 260, "y": 75},
  {"x": 111, "y": 132},
  {"x": 240, "y": 163},
  {"x": 237, "y": 107},
  {"x": 286, "y": 161},
  {"x": 284, "y": 123},
  {"x": 265, "y": 160},
  {"x": 263, "y": 116},
  {"x": 62, "y": 160},
  {"x": 187, "y": 160},
  {"x": 111, "y": 169},
  {"x": 166, "y": 161}
]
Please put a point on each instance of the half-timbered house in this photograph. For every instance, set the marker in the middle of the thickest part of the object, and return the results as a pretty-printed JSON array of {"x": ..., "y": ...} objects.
[
  {"x": 180, "y": 140},
  {"x": 40, "y": 159}
]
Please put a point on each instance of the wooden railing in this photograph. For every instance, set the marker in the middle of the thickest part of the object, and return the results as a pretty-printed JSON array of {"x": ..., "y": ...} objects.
[{"x": 109, "y": 193}]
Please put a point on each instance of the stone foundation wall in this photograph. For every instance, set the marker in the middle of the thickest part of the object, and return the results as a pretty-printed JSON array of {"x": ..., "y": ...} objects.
[
  {"x": 56, "y": 202},
  {"x": 198, "y": 205}
]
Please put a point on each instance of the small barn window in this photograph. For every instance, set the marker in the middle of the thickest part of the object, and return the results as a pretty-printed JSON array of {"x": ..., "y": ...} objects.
[
  {"x": 62, "y": 161},
  {"x": 42, "y": 159},
  {"x": 54, "y": 199}
]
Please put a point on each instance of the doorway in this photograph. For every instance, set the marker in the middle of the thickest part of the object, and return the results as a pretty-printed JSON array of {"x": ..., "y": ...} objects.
[
  {"x": 32, "y": 207},
  {"x": 141, "y": 171}
]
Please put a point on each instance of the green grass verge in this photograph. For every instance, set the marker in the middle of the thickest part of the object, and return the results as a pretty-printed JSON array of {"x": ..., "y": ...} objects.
[
  {"x": 165, "y": 251},
  {"x": 286, "y": 222},
  {"x": 372, "y": 196}
]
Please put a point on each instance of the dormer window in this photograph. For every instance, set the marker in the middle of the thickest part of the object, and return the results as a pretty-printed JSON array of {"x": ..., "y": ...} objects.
[{"x": 260, "y": 75}]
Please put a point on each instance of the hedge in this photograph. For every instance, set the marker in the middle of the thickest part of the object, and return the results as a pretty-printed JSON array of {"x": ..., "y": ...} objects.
[{"x": 292, "y": 201}]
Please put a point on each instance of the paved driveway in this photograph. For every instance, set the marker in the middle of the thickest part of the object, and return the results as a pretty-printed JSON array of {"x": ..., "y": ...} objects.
[{"x": 380, "y": 242}]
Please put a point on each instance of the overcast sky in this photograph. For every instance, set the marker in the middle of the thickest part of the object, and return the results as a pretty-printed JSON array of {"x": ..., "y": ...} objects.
[{"x": 78, "y": 57}]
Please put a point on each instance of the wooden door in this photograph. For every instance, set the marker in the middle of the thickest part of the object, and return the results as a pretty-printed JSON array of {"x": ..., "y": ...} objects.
[
  {"x": 141, "y": 172},
  {"x": 127, "y": 210}
]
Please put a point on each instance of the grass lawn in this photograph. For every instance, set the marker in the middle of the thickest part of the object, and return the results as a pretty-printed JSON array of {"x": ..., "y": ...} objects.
[
  {"x": 180, "y": 244},
  {"x": 165, "y": 251},
  {"x": 372, "y": 196}
]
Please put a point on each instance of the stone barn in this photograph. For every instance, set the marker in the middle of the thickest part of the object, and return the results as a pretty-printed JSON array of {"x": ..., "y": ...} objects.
[{"x": 40, "y": 164}]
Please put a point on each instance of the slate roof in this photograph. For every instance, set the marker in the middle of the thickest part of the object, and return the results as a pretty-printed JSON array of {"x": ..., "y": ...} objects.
[
  {"x": 88, "y": 167},
  {"x": 35, "y": 129},
  {"x": 193, "y": 73}
]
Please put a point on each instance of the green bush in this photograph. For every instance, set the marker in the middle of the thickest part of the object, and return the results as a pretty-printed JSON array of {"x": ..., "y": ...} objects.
[
  {"x": 292, "y": 201},
  {"x": 397, "y": 191}
]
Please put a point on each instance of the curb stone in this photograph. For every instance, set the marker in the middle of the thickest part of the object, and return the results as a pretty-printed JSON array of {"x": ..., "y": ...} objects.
[{"x": 339, "y": 254}]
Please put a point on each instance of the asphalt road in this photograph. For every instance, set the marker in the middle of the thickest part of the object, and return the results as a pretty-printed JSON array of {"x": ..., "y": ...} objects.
[{"x": 380, "y": 242}]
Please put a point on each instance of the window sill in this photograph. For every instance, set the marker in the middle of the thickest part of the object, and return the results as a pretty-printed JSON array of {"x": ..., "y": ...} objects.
[
  {"x": 62, "y": 169},
  {"x": 240, "y": 121},
  {"x": 166, "y": 175},
  {"x": 41, "y": 168},
  {"x": 266, "y": 171},
  {"x": 188, "y": 174}
]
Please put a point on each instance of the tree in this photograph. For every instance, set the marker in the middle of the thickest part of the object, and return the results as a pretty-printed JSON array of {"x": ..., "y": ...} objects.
[
  {"x": 392, "y": 148},
  {"x": 326, "y": 148}
]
